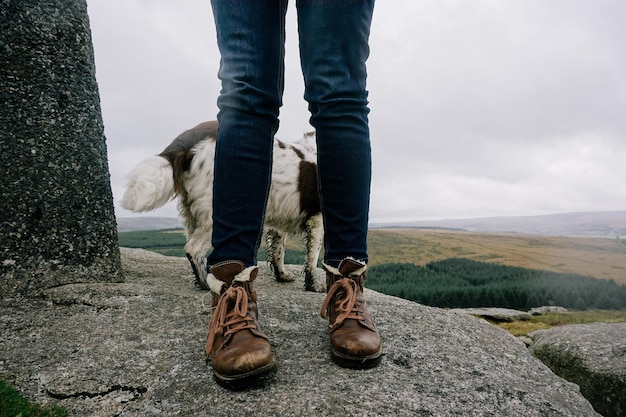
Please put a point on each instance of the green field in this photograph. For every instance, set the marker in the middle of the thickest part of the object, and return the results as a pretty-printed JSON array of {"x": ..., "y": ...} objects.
[
  {"x": 171, "y": 242},
  {"x": 166, "y": 242},
  {"x": 523, "y": 327}
]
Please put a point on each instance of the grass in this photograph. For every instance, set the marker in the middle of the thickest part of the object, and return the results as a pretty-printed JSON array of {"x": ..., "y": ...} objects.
[
  {"x": 523, "y": 327},
  {"x": 12, "y": 404},
  {"x": 168, "y": 242}
]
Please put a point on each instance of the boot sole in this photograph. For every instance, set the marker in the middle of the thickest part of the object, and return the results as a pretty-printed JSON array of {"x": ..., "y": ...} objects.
[
  {"x": 353, "y": 362},
  {"x": 257, "y": 378}
]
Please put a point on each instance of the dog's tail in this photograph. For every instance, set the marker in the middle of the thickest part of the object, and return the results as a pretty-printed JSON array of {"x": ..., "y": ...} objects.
[{"x": 149, "y": 186}]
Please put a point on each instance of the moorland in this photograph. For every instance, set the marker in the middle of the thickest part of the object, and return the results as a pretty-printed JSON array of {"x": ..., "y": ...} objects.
[
  {"x": 595, "y": 264},
  {"x": 600, "y": 258}
]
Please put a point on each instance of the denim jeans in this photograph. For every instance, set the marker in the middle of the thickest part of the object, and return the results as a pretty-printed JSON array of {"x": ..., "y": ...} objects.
[{"x": 333, "y": 37}]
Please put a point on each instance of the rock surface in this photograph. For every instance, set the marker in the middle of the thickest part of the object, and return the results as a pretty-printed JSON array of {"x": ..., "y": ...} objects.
[
  {"x": 541, "y": 311},
  {"x": 591, "y": 355},
  {"x": 58, "y": 223},
  {"x": 136, "y": 349},
  {"x": 494, "y": 313}
]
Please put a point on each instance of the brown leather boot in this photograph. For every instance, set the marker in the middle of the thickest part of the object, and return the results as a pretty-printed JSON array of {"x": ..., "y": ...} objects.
[
  {"x": 239, "y": 351},
  {"x": 354, "y": 340}
]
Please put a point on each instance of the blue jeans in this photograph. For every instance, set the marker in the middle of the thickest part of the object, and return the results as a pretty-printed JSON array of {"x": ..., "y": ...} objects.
[{"x": 333, "y": 50}]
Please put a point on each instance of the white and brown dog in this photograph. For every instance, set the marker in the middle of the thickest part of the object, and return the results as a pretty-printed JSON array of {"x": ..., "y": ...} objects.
[{"x": 185, "y": 170}]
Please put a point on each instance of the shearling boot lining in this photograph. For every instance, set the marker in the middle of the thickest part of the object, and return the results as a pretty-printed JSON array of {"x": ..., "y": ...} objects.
[
  {"x": 244, "y": 276},
  {"x": 217, "y": 286},
  {"x": 335, "y": 271}
]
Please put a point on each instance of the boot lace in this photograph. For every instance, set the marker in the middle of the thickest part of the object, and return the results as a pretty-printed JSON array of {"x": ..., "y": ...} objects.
[
  {"x": 233, "y": 321},
  {"x": 344, "y": 293}
]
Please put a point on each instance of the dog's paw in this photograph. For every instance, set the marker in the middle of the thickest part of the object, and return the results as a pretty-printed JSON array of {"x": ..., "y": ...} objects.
[
  {"x": 284, "y": 277},
  {"x": 201, "y": 281},
  {"x": 314, "y": 282}
]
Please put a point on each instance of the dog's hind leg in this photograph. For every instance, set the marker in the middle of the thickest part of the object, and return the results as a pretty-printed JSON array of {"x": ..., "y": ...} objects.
[
  {"x": 314, "y": 231},
  {"x": 275, "y": 243},
  {"x": 199, "y": 271},
  {"x": 196, "y": 248}
]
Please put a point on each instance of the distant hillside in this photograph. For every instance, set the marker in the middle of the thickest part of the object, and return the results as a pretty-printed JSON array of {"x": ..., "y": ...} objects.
[
  {"x": 609, "y": 224},
  {"x": 132, "y": 224},
  {"x": 597, "y": 257}
]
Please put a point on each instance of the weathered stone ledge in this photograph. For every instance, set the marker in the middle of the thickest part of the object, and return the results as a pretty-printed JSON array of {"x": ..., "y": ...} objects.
[
  {"x": 136, "y": 348},
  {"x": 591, "y": 355}
]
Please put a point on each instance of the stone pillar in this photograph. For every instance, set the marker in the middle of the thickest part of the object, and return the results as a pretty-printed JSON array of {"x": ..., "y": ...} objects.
[{"x": 56, "y": 208}]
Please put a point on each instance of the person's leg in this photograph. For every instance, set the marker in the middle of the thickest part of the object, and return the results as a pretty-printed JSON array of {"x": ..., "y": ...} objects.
[
  {"x": 333, "y": 48},
  {"x": 250, "y": 35}
]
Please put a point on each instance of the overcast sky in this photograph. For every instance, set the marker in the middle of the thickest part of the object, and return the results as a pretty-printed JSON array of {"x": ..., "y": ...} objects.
[{"x": 478, "y": 108}]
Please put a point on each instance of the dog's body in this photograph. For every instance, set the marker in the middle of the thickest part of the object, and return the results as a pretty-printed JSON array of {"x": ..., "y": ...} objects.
[{"x": 185, "y": 169}]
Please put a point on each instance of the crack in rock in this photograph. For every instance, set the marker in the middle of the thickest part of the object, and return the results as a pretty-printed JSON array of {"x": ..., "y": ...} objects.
[{"x": 135, "y": 392}]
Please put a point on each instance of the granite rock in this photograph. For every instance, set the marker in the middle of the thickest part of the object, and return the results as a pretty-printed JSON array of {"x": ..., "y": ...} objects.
[
  {"x": 137, "y": 348},
  {"x": 57, "y": 222},
  {"x": 494, "y": 313},
  {"x": 592, "y": 356}
]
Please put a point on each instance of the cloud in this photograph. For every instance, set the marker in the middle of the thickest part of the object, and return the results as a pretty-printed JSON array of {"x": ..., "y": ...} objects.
[{"x": 478, "y": 108}]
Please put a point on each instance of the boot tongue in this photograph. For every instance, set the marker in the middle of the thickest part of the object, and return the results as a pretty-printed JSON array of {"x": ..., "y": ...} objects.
[
  {"x": 253, "y": 274},
  {"x": 226, "y": 271},
  {"x": 350, "y": 266}
]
